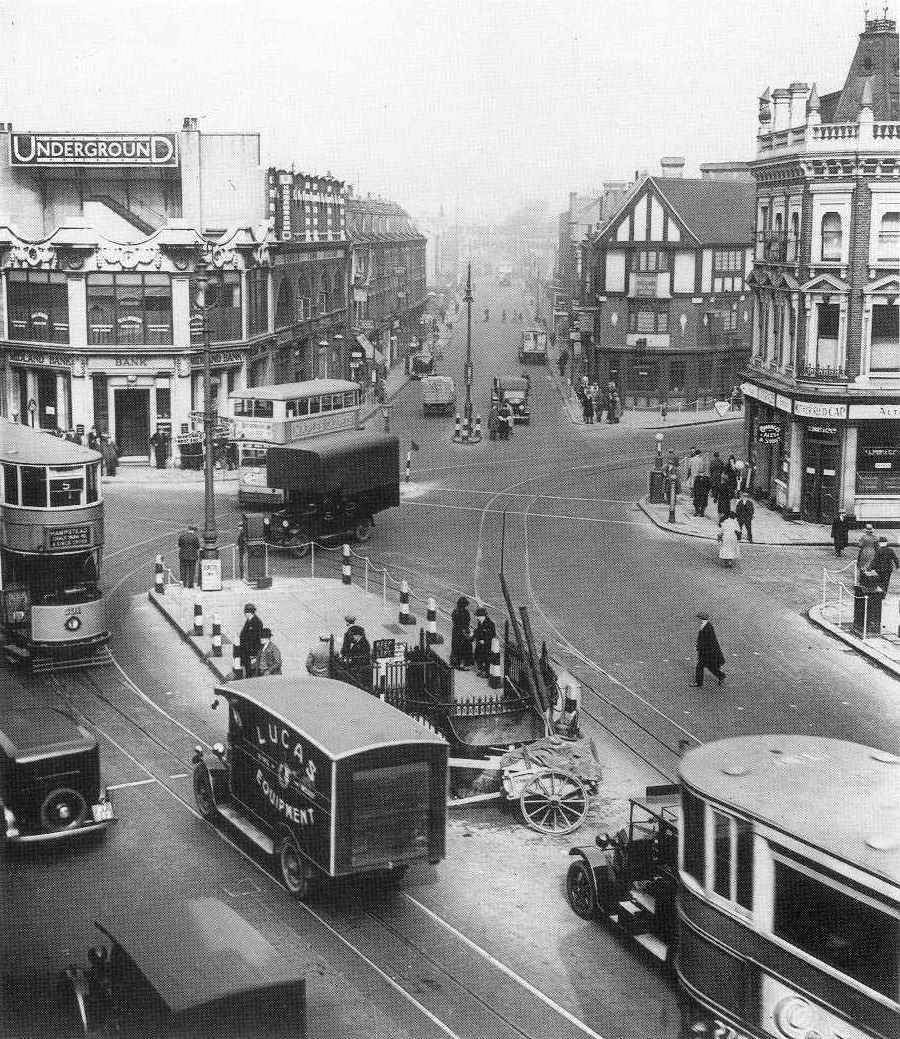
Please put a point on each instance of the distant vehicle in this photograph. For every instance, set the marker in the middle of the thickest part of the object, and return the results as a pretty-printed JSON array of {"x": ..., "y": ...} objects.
[
  {"x": 421, "y": 364},
  {"x": 333, "y": 487},
  {"x": 50, "y": 784},
  {"x": 515, "y": 392},
  {"x": 327, "y": 779},
  {"x": 533, "y": 347},
  {"x": 284, "y": 414},
  {"x": 504, "y": 273},
  {"x": 192, "y": 967},
  {"x": 438, "y": 395}
]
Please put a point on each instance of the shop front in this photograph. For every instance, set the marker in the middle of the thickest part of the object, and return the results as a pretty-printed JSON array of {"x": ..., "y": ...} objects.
[
  {"x": 876, "y": 431},
  {"x": 820, "y": 483}
]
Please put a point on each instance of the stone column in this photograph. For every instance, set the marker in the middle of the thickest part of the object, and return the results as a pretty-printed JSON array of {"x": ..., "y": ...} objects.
[
  {"x": 795, "y": 470},
  {"x": 847, "y": 499},
  {"x": 63, "y": 418},
  {"x": 76, "y": 288}
]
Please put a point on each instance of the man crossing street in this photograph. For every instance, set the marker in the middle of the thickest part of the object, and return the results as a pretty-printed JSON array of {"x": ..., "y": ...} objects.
[{"x": 709, "y": 654}]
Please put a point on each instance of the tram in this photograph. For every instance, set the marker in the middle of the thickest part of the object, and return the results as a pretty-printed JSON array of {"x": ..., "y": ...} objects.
[
  {"x": 52, "y": 613},
  {"x": 789, "y": 889}
]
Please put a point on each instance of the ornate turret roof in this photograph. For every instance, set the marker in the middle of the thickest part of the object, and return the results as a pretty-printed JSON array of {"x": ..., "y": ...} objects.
[{"x": 875, "y": 63}]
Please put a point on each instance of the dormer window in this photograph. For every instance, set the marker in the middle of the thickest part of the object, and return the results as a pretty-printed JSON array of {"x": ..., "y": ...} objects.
[
  {"x": 889, "y": 238},
  {"x": 831, "y": 237}
]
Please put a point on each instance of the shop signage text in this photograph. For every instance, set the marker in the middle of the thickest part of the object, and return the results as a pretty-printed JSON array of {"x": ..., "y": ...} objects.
[
  {"x": 758, "y": 393},
  {"x": 101, "y": 149},
  {"x": 219, "y": 357},
  {"x": 823, "y": 431},
  {"x": 645, "y": 285},
  {"x": 43, "y": 360},
  {"x": 68, "y": 537},
  {"x": 768, "y": 433},
  {"x": 131, "y": 362},
  {"x": 813, "y": 409},
  {"x": 782, "y": 403},
  {"x": 875, "y": 411}
]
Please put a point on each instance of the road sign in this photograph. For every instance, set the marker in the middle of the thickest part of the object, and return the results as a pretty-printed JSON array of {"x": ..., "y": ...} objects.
[
  {"x": 722, "y": 406},
  {"x": 468, "y": 373}
]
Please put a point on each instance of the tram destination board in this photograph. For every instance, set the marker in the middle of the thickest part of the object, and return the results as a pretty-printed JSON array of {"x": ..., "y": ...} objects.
[{"x": 68, "y": 537}]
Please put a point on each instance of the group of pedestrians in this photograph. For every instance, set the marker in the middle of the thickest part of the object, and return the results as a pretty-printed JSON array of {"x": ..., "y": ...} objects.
[
  {"x": 500, "y": 421},
  {"x": 468, "y": 646},
  {"x": 101, "y": 442},
  {"x": 594, "y": 402},
  {"x": 876, "y": 560},
  {"x": 257, "y": 650}
]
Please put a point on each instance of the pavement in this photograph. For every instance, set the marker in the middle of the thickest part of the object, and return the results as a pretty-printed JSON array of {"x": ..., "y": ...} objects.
[{"x": 883, "y": 649}]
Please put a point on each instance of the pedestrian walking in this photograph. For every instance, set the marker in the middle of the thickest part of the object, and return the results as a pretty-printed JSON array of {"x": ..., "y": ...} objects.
[
  {"x": 884, "y": 563},
  {"x": 709, "y": 653},
  {"x": 840, "y": 533},
  {"x": 461, "y": 638},
  {"x": 250, "y": 640},
  {"x": 743, "y": 513},
  {"x": 729, "y": 540},
  {"x": 505, "y": 418},
  {"x": 318, "y": 659},
  {"x": 269, "y": 655},
  {"x": 701, "y": 494},
  {"x": 188, "y": 554},
  {"x": 748, "y": 476},
  {"x": 695, "y": 467},
  {"x": 562, "y": 361},
  {"x": 587, "y": 409},
  {"x": 110, "y": 451},
  {"x": 731, "y": 471},
  {"x": 723, "y": 496},
  {"x": 493, "y": 422},
  {"x": 160, "y": 443},
  {"x": 485, "y": 632},
  {"x": 358, "y": 652},
  {"x": 716, "y": 466},
  {"x": 867, "y": 545},
  {"x": 614, "y": 408}
]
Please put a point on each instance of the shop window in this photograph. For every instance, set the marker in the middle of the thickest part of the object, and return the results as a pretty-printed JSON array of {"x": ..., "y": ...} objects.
[
  {"x": 889, "y": 238},
  {"x": 222, "y": 304},
  {"x": 129, "y": 309},
  {"x": 38, "y": 305},
  {"x": 258, "y": 301},
  {"x": 826, "y": 922},
  {"x": 878, "y": 458},
  {"x": 832, "y": 238},
  {"x": 885, "y": 352},
  {"x": 829, "y": 315},
  {"x": 284, "y": 308}
]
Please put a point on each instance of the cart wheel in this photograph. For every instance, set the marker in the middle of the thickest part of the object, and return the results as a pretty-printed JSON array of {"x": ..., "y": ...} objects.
[
  {"x": 363, "y": 530},
  {"x": 300, "y": 551},
  {"x": 63, "y": 809},
  {"x": 580, "y": 890},
  {"x": 203, "y": 793},
  {"x": 554, "y": 802},
  {"x": 293, "y": 868}
]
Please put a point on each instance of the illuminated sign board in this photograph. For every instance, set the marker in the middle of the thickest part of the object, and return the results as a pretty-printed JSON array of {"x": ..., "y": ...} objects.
[{"x": 98, "y": 149}]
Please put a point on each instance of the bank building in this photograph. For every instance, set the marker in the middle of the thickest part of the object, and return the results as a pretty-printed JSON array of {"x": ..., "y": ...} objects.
[
  {"x": 102, "y": 239},
  {"x": 823, "y": 384}
]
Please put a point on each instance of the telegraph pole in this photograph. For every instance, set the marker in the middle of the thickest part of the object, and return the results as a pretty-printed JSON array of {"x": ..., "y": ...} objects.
[{"x": 468, "y": 299}]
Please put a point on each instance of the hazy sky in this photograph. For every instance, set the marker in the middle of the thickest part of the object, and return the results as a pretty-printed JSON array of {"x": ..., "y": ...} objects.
[{"x": 492, "y": 102}]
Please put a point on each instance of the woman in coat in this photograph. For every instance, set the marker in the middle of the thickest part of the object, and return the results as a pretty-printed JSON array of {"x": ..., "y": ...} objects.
[
  {"x": 729, "y": 540},
  {"x": 461, "y": 639}
]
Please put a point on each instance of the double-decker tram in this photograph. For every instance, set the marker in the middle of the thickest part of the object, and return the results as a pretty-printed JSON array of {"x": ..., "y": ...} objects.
[
  {"x": 51, "y": 544},
  {"x": 789, "y": 897},
  {"x": 284, "y": 414}
]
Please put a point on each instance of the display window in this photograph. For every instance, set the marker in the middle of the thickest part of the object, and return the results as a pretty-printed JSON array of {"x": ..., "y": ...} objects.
[{"x": 878, "y": 458}]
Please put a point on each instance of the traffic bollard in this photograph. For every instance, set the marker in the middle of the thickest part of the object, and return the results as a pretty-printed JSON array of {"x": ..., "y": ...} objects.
[
  {"x": 433, "y": 637},
  {"x": 159, "y": 577},
  {"x": 198, "y": 618},
  {"x": 467, "y": 431},
  {"x": 457, "y": 430},
  {"x": 237, "y": 668},
  {"x": 408, "y": 464},
  {"x": 405, "y": 616},
  {"x": 216, "y": 636},
  {"x": 346, "y": 570},
  {"x": 495, "y": 672},
  {"x": 476, "y": 434}
]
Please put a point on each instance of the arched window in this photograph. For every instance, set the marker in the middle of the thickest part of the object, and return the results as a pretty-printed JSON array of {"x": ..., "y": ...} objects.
[
  {"x": 831, "y": 236},
  {"x": 284, "y": 309},
  {"x": 889, "y": 238}
]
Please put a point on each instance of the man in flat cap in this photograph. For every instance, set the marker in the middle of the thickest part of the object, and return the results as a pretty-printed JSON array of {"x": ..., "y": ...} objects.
[{"x": 709, "y": 654}]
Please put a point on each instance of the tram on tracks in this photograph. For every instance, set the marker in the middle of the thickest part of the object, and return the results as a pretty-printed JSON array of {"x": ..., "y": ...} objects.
[
  {"x": 52, "y": 613},
  {"x": 789, "y": 889}
]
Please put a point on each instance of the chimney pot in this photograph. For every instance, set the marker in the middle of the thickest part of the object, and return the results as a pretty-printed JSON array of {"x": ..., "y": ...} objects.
[{"x": 672, "y": 166}]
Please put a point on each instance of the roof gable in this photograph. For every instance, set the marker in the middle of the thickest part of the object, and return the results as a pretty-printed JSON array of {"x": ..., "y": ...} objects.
[{"x": 714, "y": 212}]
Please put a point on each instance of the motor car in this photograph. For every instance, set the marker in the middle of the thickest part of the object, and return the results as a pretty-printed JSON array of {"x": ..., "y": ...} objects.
[
  {"x": 515, "y": 392},
  {"x": 438, "y": 395}
]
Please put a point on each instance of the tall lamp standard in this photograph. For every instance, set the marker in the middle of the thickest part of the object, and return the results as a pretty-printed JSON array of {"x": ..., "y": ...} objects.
[
  {"x": 210, "y": 533},
  {"x": 468, "y": 299}
]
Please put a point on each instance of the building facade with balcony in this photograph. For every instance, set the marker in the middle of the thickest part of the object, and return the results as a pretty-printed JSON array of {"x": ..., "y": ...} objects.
[
  {"x": 386, "y": 281},
  {"x": 823, "y": 384},
  {"x": 666, "y": 311}
]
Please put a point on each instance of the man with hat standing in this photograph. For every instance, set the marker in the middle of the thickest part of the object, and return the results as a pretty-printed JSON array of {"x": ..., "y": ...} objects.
[
  {"x": 484, "y": 634},
  {"x": 269, "y": 655},
  {"x": 709, "y": 654},
  {"x": 318, "y": 660},
  {"x": 354, "y": 633},
  {"x": 250, "y": 640},
  {"x": 867, "y": 545}
]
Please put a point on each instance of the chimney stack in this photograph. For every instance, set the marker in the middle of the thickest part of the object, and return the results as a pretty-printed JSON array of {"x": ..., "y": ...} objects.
[{"x": 672, "y": 167}]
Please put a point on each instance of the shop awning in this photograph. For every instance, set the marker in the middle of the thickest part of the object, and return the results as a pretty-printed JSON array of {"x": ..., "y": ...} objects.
[{"x": 371, "y": 352}]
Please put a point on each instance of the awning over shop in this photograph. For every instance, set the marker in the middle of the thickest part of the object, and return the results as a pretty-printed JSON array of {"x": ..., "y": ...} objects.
[{"x": 371, "y": 352}]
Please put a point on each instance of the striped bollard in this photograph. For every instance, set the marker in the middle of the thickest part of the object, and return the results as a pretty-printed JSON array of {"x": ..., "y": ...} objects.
[
  {"x": 216, "y": 636},
  {"x": 405, "y": 616},
  {"x": 495, "y": 671},
  {"x": 433, "y": 637},
  {"x": 476, "y": 434},
  {"x": 237, "y": 668},
  {"x": 408, "y": 464},
  {"x": 457, "y": 430},
  {"x": 466, "y": 433},
  {"x": 198, "y": 618},
  {"x": 346, "y": 571},
  {"x": 159, "y": 579}
]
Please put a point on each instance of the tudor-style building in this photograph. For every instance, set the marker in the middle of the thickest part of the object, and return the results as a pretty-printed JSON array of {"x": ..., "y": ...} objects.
[
  {"x": 823, "y": 384},
  {"x": 666, "y": 313}
]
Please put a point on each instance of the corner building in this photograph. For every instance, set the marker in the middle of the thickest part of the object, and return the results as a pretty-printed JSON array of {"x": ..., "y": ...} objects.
[{"x": 823, "y": 383}]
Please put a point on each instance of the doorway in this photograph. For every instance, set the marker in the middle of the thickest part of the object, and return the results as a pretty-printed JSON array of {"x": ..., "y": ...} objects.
[
  {"x": 132, "y": 408},
  {"x": 820, "y": 482}
]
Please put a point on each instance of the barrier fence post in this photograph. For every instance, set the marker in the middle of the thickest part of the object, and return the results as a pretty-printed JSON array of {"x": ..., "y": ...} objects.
[
  {"x": 159, "y": 584},
  {"x": 405, "y": 616},
  {"x": 495, "y": 672},
  {"x": 216, "y": 635},
  {"x": 198, "y": 618},
  {"x": 236, "y": 666},
  {"x": 346, "y": 567},
  {"x": 865, "y": 631},
  {"x": 434, "y": 637},
  {"x": 408, "y": 464}
]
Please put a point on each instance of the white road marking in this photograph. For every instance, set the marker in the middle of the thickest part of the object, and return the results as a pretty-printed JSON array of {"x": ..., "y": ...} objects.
[
  {"x": 139, "y": 544},
  {"x": 136, "y": 782},
  {"x": 543, "y": 497},
  {"x": 179, "y": 775},
  {"x": 508, "y": 971}
]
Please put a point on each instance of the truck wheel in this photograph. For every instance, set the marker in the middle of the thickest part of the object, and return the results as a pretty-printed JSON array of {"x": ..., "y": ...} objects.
[
  {"x": 363, "y": 530},
  {"x": 203, "y": 793},
  {"x": 580, "y": 890},
  {"x": 293, "y": 868}
]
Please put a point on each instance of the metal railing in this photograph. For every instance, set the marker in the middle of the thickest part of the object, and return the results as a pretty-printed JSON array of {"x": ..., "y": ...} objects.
[
  {"x": 822, "y": 372},
  {"x": 839, "y": 600}
]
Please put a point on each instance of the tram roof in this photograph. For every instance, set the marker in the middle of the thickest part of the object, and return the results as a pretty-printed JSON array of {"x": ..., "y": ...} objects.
[
  {"x": 23, "y": 445},
  {"x": 338, "y": 718},
  {"x": 292, "y": 390},
  {"x": 841, "y": 797}
]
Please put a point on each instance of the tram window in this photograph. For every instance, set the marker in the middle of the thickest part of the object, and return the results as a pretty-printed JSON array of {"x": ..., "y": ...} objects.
[
  {"x": 721, "y": 854},
  {"x": 91, "y": 483},
  {"x": 314, "y": 405},
  {"x": 65, "y": 492},
  {"x": 692, "y": 814},
  {"x": 243, "y": 408},
  {"x": 10, "y": 485},
  {"x": 835, "y": 928},
  {"x": 302, "y": 408},
  {"x": 350, "y": 399},
  {"x": 253, "y": 455},
  {"x": 325, "y": 402},
  {"x": 744, "y": 870},
  {"x": 34, "y": 486},
  {"x": 264, "y": 409},
  {"x": 733, "y": 859}
]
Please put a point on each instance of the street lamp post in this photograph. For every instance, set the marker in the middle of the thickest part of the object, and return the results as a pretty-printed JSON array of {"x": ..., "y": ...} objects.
[
  {"x": 468, "y": 298},
  {"x": 210, "y": 533}
]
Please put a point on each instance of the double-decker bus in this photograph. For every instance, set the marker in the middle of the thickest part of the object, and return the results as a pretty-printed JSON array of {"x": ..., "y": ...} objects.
[
  {"x": 284, "y": 414},
  {"x": 51, "y": 545},
  {"x": 789, "y": 900}
]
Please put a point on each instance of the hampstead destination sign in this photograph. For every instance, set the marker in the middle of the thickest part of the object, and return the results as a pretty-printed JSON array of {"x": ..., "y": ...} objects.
[{"x": 98, "y": 149}]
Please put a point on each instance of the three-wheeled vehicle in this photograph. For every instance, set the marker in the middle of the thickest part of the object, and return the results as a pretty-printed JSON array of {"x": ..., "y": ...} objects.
[
  {"x": 515, "y": 392},
  {"x": 333, "y": 487},
  {"x": 49, "y": 777},
  {"x": 438, "y": 395},
  {"x": 327, "y": 779},
  {"x": 631, "y": 879},
  {"x": 533, "y": 347},
  {"x": 421, "y": 364},
  {"x": 192, "y": 968}
]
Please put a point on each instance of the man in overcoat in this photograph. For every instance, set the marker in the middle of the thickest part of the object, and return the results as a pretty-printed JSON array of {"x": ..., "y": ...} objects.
[
  {"x": 250, "y": 641},
  {"x": 709, "y": 653},
  {"x": 484, "y": 634},
  {"x": 188, "y": 554}
]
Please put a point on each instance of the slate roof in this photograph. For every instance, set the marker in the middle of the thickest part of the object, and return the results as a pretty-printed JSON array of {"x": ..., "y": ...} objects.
[{"x": 718, "y": 212}]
